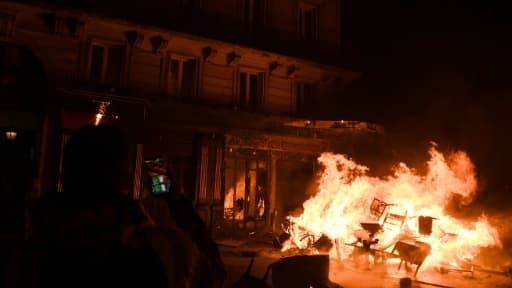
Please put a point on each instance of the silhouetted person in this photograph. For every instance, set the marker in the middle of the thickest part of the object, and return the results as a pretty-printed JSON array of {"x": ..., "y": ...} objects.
[
  {"x": 172, "y": 207},
  {"x": 212, "y": 270},
  {"x": 92, "y": 234}
]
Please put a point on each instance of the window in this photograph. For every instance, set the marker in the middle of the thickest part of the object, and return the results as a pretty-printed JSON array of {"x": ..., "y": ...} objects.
[
  {"x": 308, "y": 21},
  {"x": 254, "y": 14},
  {"x": 250, "y": 88},
  {"x": 106, "y": 64},
  {"x": 189, "y": 4},
  {"x": 245, "y": 185},
  {"x": 305, "y": 98},
  {"x": 183, "y": 77},
  {"x": 97, "y": 61}
]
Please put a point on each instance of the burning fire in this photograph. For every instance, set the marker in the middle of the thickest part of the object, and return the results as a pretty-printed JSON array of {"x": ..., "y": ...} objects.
[{"x": 346, "y": 192}]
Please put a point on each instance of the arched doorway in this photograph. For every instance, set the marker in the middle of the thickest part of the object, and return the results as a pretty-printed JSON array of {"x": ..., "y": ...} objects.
[{"x": 23, "y": 102}]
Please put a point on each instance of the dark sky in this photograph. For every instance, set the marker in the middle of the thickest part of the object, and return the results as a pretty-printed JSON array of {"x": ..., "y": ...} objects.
[{"x": 436, "y": 71}]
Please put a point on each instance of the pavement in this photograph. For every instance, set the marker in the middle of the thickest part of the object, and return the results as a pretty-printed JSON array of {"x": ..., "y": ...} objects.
[{"x": 237, "y": 255}]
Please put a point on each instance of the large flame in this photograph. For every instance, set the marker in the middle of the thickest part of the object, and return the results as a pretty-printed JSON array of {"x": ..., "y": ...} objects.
[{"x": 346, "y": 192}]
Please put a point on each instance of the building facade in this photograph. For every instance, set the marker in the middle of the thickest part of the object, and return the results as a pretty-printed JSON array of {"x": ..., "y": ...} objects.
[{"x": 228, "y": 92}]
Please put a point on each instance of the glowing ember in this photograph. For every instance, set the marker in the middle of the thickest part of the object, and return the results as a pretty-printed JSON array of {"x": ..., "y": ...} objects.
[{"x": 346, "y": 192}]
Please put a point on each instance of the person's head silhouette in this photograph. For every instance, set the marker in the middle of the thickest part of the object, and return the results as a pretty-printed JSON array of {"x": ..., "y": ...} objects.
[{"x": 94, "y": 162}]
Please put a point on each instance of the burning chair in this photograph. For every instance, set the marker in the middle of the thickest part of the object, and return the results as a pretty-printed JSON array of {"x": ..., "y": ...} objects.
[
  {"x": 306, "y": 239},
  {"x": 366, "y": 238},
  {"x": 363, "y": 246},
  {"x": 378, "y": 207},
  {"x": 412, "y": 252},
  {"x": 425, "y": 225},
  {"x": 381, "y": 210},
  {"x": 395, "y": 219}
]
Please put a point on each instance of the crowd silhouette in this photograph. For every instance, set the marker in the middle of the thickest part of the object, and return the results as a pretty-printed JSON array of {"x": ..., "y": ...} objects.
[{"x": 95, "y": 234}]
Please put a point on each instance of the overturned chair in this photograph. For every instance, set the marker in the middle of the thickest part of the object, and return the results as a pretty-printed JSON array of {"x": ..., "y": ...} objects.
[{"x": 412, "y": 252}]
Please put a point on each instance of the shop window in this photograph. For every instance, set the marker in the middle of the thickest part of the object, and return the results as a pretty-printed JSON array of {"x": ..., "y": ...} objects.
[{"x": 246, "y": 185}]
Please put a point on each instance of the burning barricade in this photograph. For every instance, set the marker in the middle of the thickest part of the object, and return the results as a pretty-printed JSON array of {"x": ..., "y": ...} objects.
[{"x": 370, "y": 220}]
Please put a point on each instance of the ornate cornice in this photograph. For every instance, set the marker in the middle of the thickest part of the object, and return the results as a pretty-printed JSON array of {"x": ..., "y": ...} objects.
[
  {"x": 233, "y": 58},
  {"x": 274, "y": 65},
  {"x": 135, "y": 38},
  {"x": 292, "y": 70},
  {"x": 159, "y": 44},
  {"x": 208, "y": 53}
]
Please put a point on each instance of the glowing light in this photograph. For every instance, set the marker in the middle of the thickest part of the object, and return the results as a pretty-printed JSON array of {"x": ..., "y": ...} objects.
[
  {"x": 11, "y": 135},
  {"x": 98, "y": 119},
  {"x": 102, "y": 111}
]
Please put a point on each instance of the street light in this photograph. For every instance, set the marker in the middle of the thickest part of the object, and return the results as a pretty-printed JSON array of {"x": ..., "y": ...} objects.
[{"x": 11, "y": 135}]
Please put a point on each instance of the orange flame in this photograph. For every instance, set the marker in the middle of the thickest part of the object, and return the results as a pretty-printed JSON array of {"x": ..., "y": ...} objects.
[{"x": 346, "y": 192}]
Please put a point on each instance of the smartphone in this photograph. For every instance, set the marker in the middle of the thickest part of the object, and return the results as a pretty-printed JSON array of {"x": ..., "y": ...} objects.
[{"x": 160, "y": 184}]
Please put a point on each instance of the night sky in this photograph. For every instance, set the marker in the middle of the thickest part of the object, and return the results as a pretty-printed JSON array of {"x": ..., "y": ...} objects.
[{"x": 436, "y": 71}]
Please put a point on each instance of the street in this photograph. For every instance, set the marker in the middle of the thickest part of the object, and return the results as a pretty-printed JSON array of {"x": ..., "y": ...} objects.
[{"x": 237, "y": 257}]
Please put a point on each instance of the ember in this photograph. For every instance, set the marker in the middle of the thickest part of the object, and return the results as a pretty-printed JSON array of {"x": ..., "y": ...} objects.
[{"x": 384, "y": 214}]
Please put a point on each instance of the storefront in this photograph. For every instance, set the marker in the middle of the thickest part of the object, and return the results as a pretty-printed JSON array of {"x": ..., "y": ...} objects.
[
  {"x": 246, "y": 172},
  {"x": 79, "y": 108}
]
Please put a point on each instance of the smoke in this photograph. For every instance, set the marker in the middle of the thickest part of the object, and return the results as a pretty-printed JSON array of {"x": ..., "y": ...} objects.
[{"x": 446, "y": 80}]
